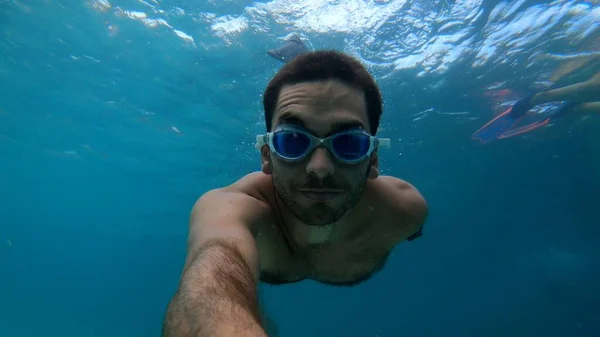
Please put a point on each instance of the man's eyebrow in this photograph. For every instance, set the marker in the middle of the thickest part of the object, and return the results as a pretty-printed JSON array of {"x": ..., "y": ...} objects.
[
  {"x": 336, "y": 127},
  {"x": 351, "y": 124},
  {"x": 287, "y": 119}
]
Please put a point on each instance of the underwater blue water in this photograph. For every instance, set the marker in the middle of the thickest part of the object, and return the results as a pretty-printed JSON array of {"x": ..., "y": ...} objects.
[{"x": 116, "y": 115}]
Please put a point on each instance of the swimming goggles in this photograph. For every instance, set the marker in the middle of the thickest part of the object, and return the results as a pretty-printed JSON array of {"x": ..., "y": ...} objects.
[{"x": 294, "y": 144}]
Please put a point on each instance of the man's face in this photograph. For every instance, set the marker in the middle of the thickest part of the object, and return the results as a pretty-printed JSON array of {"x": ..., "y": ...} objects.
[{"x": 318, "y": 189}]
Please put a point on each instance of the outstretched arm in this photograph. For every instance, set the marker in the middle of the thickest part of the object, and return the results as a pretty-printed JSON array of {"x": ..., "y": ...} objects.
[{"x": 217, "y": 294}]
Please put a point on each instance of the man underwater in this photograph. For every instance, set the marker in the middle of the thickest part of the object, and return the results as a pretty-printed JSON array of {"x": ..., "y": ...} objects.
[{"x": 318, "y": 209}]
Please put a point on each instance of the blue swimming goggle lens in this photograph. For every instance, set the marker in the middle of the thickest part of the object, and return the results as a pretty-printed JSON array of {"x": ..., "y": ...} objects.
[
  {"x": 291, "y": 144},
  {"x": 349, "y": 146}
]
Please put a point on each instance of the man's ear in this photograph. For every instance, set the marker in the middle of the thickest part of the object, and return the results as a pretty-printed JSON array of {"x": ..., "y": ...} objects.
[
  {"x": 374, "y": 166},
  {"x": 265, "y": 158}
]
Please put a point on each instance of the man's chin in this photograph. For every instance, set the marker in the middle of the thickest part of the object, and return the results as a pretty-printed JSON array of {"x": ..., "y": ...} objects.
[
  {"x": 315, "y": 221},
  {"x": 320, "y": 214}
]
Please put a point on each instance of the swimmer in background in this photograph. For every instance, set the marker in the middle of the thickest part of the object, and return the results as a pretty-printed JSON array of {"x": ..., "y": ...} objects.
[{"x": 577, "y": 99}]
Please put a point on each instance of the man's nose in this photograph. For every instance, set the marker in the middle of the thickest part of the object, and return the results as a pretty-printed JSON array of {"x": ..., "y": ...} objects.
[{"x": 320, "y": 163}]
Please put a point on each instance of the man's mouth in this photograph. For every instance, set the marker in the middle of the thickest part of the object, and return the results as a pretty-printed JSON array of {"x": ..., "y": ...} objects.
[{"x": 320, "y": 194}]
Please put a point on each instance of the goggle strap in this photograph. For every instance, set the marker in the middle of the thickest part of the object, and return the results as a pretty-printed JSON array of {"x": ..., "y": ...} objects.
[
  {"x": 384, "y": 142},
  {"x": 260, "y": 142}
]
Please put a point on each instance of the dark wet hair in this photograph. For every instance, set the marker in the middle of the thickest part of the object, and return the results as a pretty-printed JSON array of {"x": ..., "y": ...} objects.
[{"x": 325, "y": 65}]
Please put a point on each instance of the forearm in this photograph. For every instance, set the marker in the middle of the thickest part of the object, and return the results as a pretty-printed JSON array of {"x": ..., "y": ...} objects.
[{"x": 217, "y": 297}]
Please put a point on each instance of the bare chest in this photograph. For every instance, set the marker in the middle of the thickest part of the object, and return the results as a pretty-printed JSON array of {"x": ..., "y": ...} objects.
[{"x": 344, "y": 263}]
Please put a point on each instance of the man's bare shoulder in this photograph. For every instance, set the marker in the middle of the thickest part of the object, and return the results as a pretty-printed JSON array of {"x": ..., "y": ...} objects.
[
  {"x": 400, "y": 190},
  {"x": 401, "y": 200},
  {"x": 251, "y": 183},
  {"x": 405, "y": 197},
  {"x": 246, "y": 198},
  {"x": 395, "y": 182}
]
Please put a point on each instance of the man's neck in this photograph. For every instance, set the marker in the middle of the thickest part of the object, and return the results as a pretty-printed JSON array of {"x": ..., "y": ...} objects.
[
  {"x": 303, "y": 235},
  {"x": 310, "y": 235}
]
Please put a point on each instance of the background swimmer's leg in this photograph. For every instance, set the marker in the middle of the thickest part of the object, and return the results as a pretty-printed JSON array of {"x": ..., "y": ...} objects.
[
  {"x": 587, "y": 108},
  {"x": 571, "y": 66},
  {"x": 568, "y": 108},
  {"x": 583, "y": 92},
  {"x": 579, "y": 61}
]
